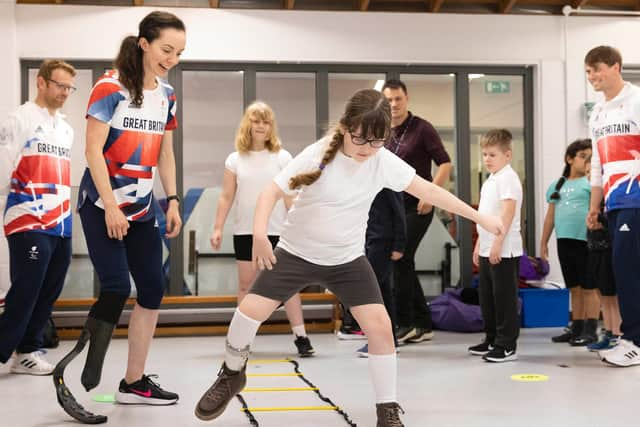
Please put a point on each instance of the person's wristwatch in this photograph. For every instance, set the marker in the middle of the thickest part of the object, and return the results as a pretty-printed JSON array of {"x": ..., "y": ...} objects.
[{"x": 173, "y": 197}]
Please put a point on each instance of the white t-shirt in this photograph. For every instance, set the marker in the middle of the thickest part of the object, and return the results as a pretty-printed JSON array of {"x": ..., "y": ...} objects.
[
  {"x": 502, "y": 185},
  {"x": 328, "y": 220},
  {"x": 254, "y": 171}
]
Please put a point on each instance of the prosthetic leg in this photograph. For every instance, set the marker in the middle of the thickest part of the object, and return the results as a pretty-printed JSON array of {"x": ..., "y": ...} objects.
[{"x": 98, "y": 333}]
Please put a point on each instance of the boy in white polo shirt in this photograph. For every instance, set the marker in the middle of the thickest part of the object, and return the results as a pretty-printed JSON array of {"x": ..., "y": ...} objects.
[{"x": 499, "y": 256}]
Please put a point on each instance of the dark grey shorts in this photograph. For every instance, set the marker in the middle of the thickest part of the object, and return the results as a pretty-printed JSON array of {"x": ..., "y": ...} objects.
[{"x": 354, "y": 283}]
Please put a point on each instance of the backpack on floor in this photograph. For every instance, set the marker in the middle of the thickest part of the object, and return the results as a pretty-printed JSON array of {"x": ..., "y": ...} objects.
[
  {"x": 449, "y": 313},
  {"x": 50, "y": 335}
]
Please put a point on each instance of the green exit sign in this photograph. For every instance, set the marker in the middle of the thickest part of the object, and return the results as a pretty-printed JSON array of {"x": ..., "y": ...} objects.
[{"x": 494, "y": 86}]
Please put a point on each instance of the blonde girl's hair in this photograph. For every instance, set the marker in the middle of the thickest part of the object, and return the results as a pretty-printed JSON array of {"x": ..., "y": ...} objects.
[
  {"x": 258, "y": 110},
  {"x": 368, "y": 109}
]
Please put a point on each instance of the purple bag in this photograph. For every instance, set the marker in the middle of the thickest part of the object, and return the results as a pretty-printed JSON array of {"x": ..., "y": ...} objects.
[
  {"x": 533, "y": 268},
  {"x": 449, "y": 313}
]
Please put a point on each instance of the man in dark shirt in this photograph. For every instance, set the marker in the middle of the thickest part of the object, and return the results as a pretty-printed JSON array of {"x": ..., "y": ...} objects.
[{"x": 415, "y": 141}]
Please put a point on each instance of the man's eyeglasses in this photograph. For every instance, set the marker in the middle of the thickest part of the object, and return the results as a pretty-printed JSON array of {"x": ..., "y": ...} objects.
[
  {"x": 360, "y": 140},
  {"x": 63, "y": 86}
]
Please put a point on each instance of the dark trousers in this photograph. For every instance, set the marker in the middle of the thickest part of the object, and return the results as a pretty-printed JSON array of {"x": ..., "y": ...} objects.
[
  {"x": 626, "y": 253},
  {"x": 379, "y": 256},
  {"x": 140, "y": 253},
  {"x": 38, "y": 266},
  {"x": 412, "y": 308},
  {"x": 498, "y": 291}
]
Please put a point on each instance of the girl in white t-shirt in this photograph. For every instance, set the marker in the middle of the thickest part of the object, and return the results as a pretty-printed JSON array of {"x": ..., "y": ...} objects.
[
  {"x": 258, "y": 158},
  {"x": 335, "y": 180}
]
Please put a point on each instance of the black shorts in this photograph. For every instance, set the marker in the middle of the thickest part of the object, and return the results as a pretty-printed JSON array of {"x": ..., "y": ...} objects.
[
  {"x": 573, "y": 255},
  {"x": 354, "y": 283},
  {"x": 243, "y": 245},
  {"x": 600, "y": 273}
]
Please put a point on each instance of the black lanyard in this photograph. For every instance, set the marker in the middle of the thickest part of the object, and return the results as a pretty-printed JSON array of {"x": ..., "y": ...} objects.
[{"x": 398, "y": 140}]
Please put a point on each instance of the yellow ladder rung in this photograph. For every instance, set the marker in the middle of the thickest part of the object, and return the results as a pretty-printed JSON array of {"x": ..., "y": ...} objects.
[
  {"x": 265, "y": 361},
  {"x": 256, "y": 389},
  {"x": 275, "y": 375},
  {"x": 294, "y": 408}
]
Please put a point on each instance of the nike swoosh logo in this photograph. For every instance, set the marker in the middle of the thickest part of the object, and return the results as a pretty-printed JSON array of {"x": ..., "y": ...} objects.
[
  {"x": 142, "y": 393},
  {"x": 508, "y": 353}
]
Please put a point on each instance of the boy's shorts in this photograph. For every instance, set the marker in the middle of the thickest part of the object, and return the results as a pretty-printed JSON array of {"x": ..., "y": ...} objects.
[{"x": 600, "y": 273}]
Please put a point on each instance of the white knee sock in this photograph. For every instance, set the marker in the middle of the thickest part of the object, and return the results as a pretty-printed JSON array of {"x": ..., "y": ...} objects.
[
  {"x": 242, "y": 332},
  {"x": 384, "y": 375},
  {"x": 299, "y": 331}
]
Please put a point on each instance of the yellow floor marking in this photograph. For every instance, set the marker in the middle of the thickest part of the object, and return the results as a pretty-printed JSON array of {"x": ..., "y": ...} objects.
[
  {"x": 275, "y": 375},
  {"x": 293, "y": 408},
  {"x": 529, "y": 377},
  {"x": 256, "y": 389}
]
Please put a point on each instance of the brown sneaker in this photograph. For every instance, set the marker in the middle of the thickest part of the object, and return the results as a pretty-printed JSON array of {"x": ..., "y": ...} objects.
[
  {"x": 389, "y": 414},
  {"x": 229, "y": 383}
]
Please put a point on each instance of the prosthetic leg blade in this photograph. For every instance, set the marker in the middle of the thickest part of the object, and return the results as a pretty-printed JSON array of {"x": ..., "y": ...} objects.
[{"x": 65, "y": 398}]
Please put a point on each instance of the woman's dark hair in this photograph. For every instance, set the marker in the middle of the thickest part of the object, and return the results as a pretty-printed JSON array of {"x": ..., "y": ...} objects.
[
  {"x": 368, "y": 109},
  {"x": 129, "y": 59},
  {"x": 570, "y": 153}
]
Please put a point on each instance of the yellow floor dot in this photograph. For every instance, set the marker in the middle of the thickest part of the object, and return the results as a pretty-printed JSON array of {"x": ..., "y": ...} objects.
[{"x": 529, "y": 377}]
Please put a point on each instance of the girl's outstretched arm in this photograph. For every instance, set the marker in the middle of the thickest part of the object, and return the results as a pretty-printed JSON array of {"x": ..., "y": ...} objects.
[
  {"x": 425, "y": 190},
  {"x": 262, "y": 252}
]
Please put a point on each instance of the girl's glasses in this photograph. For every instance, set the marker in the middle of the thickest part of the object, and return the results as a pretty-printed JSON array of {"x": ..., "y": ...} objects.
[{"x": 360, "y": 140}]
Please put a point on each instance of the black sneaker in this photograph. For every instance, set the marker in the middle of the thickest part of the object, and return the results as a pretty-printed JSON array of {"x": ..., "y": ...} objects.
[
  {"x": 305, "y": 349},
  {"x": 388, "y": 415},
  {"x": 215, "y": 400},
  {"x": 481, "y": 349},
  {"x": 499, "y": 354},
  {"x": 421, "y": 335},
  {"x": 145, "y": 391},
  {"x": 565, "y": 336},
  {"x": 405, "y": 333}
]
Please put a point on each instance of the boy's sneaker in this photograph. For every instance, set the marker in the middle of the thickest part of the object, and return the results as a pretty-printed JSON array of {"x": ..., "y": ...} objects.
[
  {"x": 498, "y": 354},
  {"x": 350, "y": 334},
  {"x": 145, "y": 391},
  {"x": 215, "y": 400},
  {"x": 363, "y": 351},
  {"x": 389, "y": 414},
  {"x": 31, "y": 364},
  {"x": 303, "y": 344},
  {"x": 626, "y": 353},
  {"x": 421, "y": 335},
  {"x": 607, "y": 341},
  {"x": 404, "y": 333},
  {"x": 481, "y": 349}
]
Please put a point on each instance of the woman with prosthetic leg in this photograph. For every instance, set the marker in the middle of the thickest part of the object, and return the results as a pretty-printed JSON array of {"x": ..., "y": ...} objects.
[
  {"x": 336, "y": 179},
  {"x": 130, "y": 119}
]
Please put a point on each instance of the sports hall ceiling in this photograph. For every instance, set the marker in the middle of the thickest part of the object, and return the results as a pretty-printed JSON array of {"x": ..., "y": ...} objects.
[{"x": 533, "y": 7}]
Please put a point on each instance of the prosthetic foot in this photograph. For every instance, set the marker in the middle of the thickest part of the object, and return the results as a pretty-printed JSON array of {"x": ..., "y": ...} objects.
[
  {"x": 66, "y": 400},
  {"x": 98, "y": 333}
]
